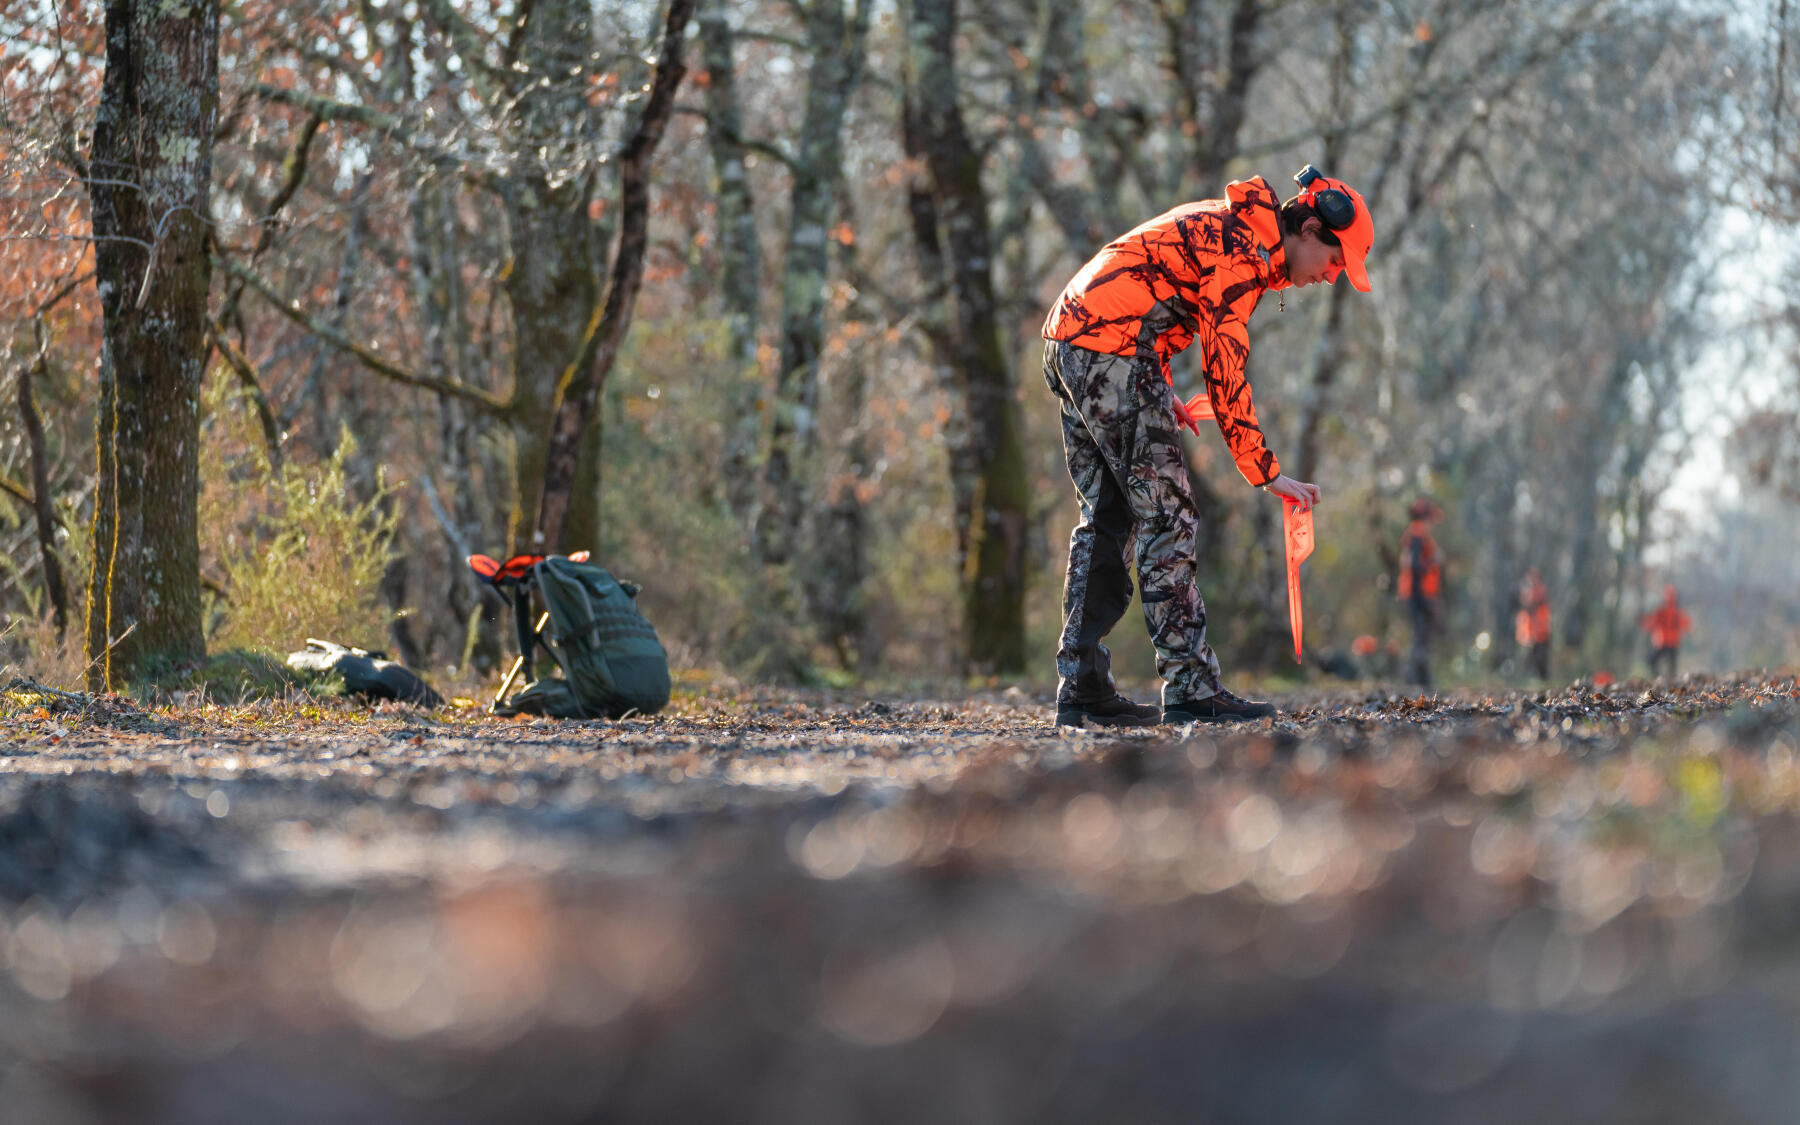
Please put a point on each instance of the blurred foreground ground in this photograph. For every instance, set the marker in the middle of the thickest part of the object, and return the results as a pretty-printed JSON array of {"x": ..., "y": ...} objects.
[{"x": 779, "y": 907}]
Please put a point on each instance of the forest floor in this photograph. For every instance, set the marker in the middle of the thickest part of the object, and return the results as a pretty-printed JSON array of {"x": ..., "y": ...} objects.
[{"x": 783, "y": 906}]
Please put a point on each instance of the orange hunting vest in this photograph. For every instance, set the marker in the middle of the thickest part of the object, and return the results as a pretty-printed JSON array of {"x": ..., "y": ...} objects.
[
  {"x": 1667, "y": 625},
  {"x": 1533, "y": 624},
  {"x": 1433, "y": 577}
]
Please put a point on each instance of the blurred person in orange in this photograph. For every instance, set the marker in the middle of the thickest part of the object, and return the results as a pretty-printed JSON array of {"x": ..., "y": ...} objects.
[
  {"x": 1421, "y": 582},
  {"x": 1531, "y": 627},
  {"x": 1666, "y": 626}
]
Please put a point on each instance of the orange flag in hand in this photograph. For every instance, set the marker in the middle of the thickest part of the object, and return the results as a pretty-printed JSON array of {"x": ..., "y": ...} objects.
[
  {"x": 1297, "y": 527},
  {"x": 1200, "y": 407}
]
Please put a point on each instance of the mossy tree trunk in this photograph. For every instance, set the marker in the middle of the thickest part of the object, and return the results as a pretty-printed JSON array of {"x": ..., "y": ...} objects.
[
  {"x": 150, "y": 175},
  {"x": 553, "y": 280},
  {"x": 993, "y": 581},
  {"x": 565, "y": 508}
]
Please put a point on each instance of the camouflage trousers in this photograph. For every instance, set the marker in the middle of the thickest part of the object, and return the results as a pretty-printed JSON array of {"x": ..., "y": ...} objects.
[{"x": 1131, "y": 477}]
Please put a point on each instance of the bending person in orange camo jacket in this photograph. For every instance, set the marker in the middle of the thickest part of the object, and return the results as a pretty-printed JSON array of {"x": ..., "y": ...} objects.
[
  {"x": 1193, "y": 275},
  {"x": 1666, "y": 626},
  {"x": 1421, "y": 578}
]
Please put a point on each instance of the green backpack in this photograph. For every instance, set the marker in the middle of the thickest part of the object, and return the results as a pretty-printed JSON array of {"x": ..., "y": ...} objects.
[{"x": 612, "y": 664}]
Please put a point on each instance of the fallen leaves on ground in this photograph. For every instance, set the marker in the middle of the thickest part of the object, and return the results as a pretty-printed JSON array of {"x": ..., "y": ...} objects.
[{"x": 812, "y": 873}]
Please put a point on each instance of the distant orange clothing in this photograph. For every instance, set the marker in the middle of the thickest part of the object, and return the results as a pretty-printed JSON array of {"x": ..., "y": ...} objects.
[
  {"x": 1532, "y": 626},
  {"x": 1667, "y": 625},
  {"x": 1193, "y": 274},
  {"x": 1418, "y": 541}
]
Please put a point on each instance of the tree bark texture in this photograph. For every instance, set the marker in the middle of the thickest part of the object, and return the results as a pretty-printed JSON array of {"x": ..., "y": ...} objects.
[
  {"x": 54, "y": 584},
  {"x": 837, "y": 581},
  {"x": 740, "y": 255},
  {"x": 1108, "y": 136},
  {"x": 151, "y": 174},
  {"x": 1328, "y": 358},
  {"x": 1586, "y": 485},
  {"x": 579, "y": 389},
  {"x": 1212, "y": 93},
  {"x": 994, "y": 579},
  {"x": 934, "y": 323},
  {"x": 311, "y": 398},
  {"x": 837, "y": 45},
  {"x": 553, "y": 283},
  {"x": 1056, "y": 54}
]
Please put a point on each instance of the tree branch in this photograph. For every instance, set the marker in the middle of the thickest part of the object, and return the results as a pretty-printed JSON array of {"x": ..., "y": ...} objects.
[
  {"x": 17, "y": 491},
  {"x": 246, "y": 374},
  {"x": 1542, "y": 51},
  {"x": 327, "y": 109},
  {"x": 54, "y": 584},
  {"x": 292, "y": 310},
  {"x": 62, "y": 291},
  {"x": 765, "y": 148},
  {"x": 293, "y": 170}
]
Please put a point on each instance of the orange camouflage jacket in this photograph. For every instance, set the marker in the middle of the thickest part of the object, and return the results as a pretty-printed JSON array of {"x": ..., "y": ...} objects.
[{"x": 1195, "y": 273}]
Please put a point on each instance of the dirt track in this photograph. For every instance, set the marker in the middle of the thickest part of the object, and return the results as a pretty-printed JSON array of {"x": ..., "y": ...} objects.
[{"x": 1576, "y": 907}]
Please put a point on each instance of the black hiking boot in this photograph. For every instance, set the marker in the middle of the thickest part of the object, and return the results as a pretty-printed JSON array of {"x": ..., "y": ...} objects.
[
  {"x": 1221, "y": 708},
  {"x": 1115, "y": 712}
]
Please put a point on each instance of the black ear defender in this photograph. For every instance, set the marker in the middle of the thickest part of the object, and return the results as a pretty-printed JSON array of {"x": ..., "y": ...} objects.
[{"x": 1336, "y": 209}]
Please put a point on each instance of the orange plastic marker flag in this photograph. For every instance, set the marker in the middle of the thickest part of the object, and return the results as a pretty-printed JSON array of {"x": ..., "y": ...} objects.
[
  {"x": 1298, "y": 529},
  {"x": 1200, "y": 408}
]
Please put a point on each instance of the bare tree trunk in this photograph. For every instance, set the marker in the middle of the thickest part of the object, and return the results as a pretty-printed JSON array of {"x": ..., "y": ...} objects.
[
  {"x": 1213, "y": 93},
  {"x": 837, "y": 44},
  {"x": 1081, "y": 216},
  {"x": 740, "y": 256},
  {"x": 1586, "y": 485},
  {"x": 151, "y": 169},
  {"x": 843, "y": 557},
  {"x": 54, "y": 584},
  {"x": 994, "y": 580},
  {"x": 555, "y": 252},
  {"x": 1328, "y": 360},
  {"x": 934, "y": 324},
  {"x": 1110, "y": 138},
  {"x": 312, "y": 396},
  {"x": 579, "y": 389},
  {"x": 1490, "y": 515}
]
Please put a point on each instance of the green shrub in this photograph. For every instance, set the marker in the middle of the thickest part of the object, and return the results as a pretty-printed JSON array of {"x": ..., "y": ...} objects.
[{"x": 298, "y": 553}]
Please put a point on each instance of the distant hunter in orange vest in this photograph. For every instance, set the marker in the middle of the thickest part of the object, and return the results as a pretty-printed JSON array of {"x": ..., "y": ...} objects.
[
  {"x": 1421, "y": 580},
  {"x": 1666, "y": 627},
  {"x": 1532, "y": 626}
]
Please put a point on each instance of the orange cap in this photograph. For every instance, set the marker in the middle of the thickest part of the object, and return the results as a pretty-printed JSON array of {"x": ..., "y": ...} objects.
[{"x": 1358, "y": 237}]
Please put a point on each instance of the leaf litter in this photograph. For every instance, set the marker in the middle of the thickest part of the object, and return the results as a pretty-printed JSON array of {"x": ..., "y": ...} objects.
[{"x": 1440, "y": 892}]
